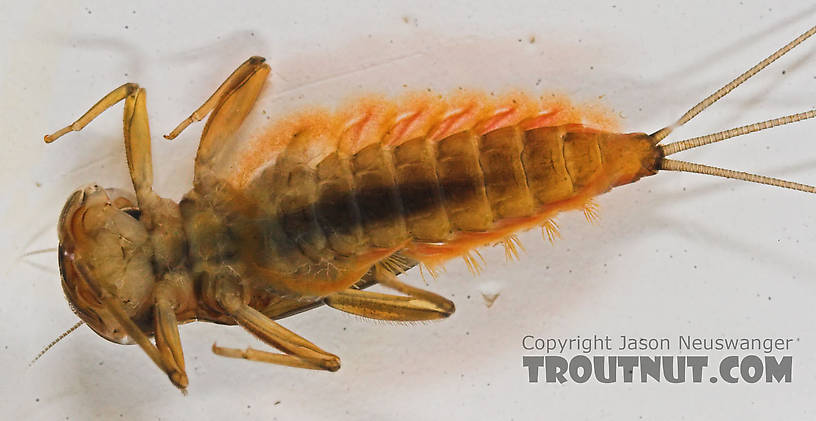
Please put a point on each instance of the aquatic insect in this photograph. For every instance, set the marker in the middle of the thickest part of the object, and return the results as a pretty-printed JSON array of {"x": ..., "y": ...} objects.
[{"x": 325, "y": 204}]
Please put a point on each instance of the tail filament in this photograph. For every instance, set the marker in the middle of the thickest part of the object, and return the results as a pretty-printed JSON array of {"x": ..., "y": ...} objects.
[{"x": 679, "y": 146}]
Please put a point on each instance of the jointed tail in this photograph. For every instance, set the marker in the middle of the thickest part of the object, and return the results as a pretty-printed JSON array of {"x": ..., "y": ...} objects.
[{"x": 672, "y": 148}]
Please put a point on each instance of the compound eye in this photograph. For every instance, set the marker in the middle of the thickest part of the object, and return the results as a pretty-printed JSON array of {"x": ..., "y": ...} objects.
[
  {"x": 134, "y": 212},
  {"x": 121, "y": 199}
]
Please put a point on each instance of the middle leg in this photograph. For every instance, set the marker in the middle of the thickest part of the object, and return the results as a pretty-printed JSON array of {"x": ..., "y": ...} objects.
[{"x": 297, "y": 351}]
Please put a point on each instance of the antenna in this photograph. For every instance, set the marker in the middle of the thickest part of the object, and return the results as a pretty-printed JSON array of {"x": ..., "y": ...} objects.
[{"x": 54, "y": 342}]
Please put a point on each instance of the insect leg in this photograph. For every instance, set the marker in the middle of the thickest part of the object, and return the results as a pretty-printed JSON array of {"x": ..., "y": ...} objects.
[
  {"x": 418, "y": 304},
  {"x": 106, "y": 102},
  {"x": 282, "y": 307},
  {"x": 226, "y": 118},
  {"x": 166, "y": 324},
  {"x": 177, "y": 376},
  {"x": 137, "y": 145},
  {"x": 298, "y": 352},
  {"x": 234, "y": 81},
  {"x": 137, "y": 134}
]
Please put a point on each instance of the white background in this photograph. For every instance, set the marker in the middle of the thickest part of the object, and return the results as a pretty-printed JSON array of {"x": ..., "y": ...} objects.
[{"x": 674, "y": 254}]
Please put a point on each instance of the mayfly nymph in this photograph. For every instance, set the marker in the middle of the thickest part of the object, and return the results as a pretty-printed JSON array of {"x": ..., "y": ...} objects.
[{"x": 330, "y": 203}]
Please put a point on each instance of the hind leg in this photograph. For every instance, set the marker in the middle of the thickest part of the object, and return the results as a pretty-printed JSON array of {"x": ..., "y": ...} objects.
[{"x": 416, "y": 304}]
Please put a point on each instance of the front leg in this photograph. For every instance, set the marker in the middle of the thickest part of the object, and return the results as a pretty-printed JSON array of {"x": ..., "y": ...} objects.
[
  {"x": 171, "y": 294},
  {"x": 159, "y": 216},
  {"x": 137, "y": 134},
  {"x": 114, "y": 307}
]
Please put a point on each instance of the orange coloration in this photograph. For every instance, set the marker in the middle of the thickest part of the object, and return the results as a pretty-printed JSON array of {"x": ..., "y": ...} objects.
[
  {"x": 433, "y": 255},
  {"x": 373, "y": 119},
  {"x": 323, "y": 204},
  {"x": 321, "y": 284}
]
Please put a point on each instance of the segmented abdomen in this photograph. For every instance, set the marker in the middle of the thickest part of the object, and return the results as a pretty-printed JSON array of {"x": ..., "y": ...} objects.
[
  {"x": 421, "y": 191},
  {"x": 335, "y": 193}
]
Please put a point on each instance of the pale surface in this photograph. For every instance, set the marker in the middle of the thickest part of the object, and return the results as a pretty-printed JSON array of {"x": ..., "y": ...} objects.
[{"x": 673, "y": 255}]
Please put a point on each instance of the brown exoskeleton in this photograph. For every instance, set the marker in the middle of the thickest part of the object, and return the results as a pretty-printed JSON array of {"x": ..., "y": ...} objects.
[
  {"x": 136, "y": 267},
  {"x": 329, "y": 207}
]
